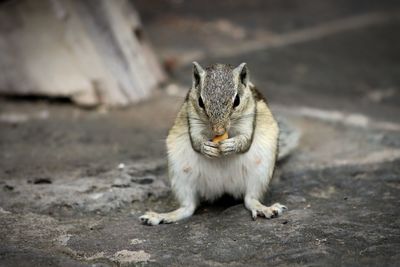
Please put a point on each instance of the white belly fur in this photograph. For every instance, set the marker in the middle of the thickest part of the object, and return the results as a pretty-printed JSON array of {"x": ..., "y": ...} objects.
[{"x": 210, "y": 178}]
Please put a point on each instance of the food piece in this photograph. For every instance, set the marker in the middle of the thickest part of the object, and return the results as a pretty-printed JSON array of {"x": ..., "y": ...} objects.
[{"x": 220, "y": 138}]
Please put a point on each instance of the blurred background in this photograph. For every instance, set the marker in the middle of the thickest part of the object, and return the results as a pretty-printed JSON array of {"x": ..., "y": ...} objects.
[{"x": 89, "y": 89}]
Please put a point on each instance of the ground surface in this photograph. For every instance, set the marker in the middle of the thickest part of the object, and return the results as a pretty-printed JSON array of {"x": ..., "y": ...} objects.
[{"x": 331, "y": 68}]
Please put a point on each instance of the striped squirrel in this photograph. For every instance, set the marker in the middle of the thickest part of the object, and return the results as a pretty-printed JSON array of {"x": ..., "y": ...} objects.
[{"x": 221, "y": 99}]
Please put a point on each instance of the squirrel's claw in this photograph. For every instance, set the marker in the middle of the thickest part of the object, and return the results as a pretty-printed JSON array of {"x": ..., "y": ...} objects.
[{"x": 268, "y": 212}]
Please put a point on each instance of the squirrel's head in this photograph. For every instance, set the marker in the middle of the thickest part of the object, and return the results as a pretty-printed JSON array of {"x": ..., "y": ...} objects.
[{"x": 220, "y": 92}]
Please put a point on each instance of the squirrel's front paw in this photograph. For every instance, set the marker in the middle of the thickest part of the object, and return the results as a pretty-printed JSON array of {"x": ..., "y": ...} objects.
[
  {"x": 210, "y": 149},
  {"x": 228, "y": 146}
]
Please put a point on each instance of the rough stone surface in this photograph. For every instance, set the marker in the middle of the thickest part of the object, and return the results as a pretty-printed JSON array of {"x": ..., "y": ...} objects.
[
  {"x": 100, "y": 193},
  {"x": 73, "y": 182}
]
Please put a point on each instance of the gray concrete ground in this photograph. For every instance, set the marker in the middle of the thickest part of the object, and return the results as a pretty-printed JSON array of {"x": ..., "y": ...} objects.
[{"x": 330, "y": 68}]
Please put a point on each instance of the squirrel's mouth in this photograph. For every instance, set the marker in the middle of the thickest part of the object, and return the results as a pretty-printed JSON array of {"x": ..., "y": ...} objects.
[{"x": 218, "y": 130}]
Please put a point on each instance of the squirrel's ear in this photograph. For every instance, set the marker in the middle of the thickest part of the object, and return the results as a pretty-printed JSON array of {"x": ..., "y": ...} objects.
[
  {"x": 198, "y": 73},
  {"x": 242, "y": 73}
]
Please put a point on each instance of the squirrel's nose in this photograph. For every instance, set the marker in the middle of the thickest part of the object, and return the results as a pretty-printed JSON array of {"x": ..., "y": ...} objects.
[{"x": 218, "y": 130}]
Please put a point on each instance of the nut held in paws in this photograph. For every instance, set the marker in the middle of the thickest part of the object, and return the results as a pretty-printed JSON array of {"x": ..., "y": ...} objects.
[{"x": 220, "y": 138}]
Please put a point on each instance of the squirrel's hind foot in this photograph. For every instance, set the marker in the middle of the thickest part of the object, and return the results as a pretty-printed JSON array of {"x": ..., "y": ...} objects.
[
  {"x": 258, "y": 209},
  {"x": 154, "y": 218}
]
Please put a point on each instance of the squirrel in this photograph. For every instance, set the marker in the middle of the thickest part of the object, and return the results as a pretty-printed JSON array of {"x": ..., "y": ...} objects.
[{"x": 221, "y": 100}]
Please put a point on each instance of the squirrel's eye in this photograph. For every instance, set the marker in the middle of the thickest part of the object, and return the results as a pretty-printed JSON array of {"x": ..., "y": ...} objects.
[
  {"x": 201, "y": 103},
  {"x": 236, "y": 102}
]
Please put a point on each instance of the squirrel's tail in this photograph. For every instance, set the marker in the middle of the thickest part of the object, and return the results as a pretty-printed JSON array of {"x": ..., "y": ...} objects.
[{"x": 288, "y": 138}]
